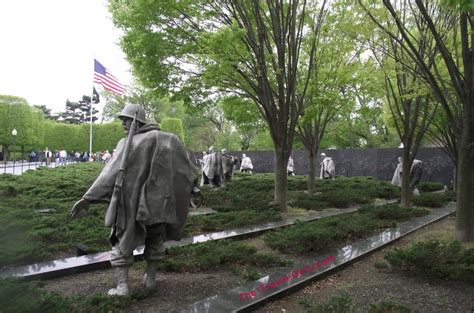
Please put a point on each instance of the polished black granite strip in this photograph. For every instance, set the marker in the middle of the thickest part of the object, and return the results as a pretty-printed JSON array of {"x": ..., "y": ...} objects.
[
  {"x": 72, "y": 265},
  {"x": 203, "y": 211},
  {"x": 277, "y": 284}
]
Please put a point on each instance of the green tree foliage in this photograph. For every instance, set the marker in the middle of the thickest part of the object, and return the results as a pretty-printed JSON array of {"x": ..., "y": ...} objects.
[
  {"x": 59, "y": 136},
  {"x": 78, "y": 112},
  {"x": 250, "y": 49},
  {"x": 142, "y": 96},
  {"x": 46, "y": 112},
  {"x": 69, "y": 137},
  {"x": 15, "y": 113},
  {"x": 104, "y": 136},
  {"x": 245, "y": 116},
  {"x": 173, "y": 125},
  {"x": 448, "y": 25},
  {"x": 38, "y": 125}
]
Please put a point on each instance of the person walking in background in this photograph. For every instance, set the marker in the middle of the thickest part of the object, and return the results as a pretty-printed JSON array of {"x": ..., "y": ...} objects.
[
  {"x": 328, "y": 169},
  {"x": 48, "y": 155},
  {"x": 32, "y": 156},
  {"x": 246, "y": 165},
  {"x": 106, "y": 156},
  {"x": 63, "y": 157}
]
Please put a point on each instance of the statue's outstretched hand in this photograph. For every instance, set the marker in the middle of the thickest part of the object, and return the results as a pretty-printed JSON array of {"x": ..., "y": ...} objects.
[{"x": 79, "y": 206}]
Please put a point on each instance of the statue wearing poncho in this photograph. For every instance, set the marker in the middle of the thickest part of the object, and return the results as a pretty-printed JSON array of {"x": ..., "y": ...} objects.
[
  {"x": 148, "y": 184},
  {"x": 156, "y": 187}
]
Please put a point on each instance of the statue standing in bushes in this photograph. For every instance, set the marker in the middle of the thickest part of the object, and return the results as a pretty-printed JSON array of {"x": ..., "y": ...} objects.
[
  {"x": 328, "y": 169},
  {"x": 246, "y": 165},
  {"x": 213, "y": 168},
  {"x": 148, "y": 184},
  {"x": 290, "y": 168},
  {"x": 397, "y": 175},
  {"x": 416, "y": 171},
  {"x": 228, "y": 162}
]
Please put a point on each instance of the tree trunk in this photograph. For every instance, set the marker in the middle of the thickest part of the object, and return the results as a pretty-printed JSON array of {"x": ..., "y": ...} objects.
[
  {"x": 405, "y": 201},
  {"x": 311, "y": 171},
  {"x": 465, "y": 177},
  {"x": 5, "y": 154},
  {"x": 281, "y": 181},
  {"x": 455, "y": 178}
]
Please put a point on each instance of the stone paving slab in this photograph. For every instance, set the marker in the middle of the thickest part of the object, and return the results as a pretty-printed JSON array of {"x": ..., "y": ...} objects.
[{"x": 275, "y": 285}]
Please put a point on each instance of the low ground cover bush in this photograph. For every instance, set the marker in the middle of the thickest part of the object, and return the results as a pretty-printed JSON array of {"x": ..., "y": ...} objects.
[
  {"x": 344, "y": 192},
  {"x": 343, "y": 304},
  {"x": 213, "y": 254},
  {"x": 229, "y": 220},
  {"x": 315, "y": 236},
  {"x": 429, "y": 186},
  {"x": 431, "y": 200},
  {"x": 27, "y": 236},
  {"x": 433, "y": 258}
]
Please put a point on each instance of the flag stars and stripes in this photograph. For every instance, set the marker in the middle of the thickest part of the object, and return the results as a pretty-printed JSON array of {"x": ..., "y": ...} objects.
[{"x": 103, "y": 77}]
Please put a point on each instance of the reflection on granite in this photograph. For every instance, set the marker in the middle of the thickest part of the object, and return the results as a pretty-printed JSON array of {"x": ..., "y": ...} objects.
[
  {"x": 68, "y": 266},
  {"x": 257, "y": 293},
  {"x": 202, "y": 211},
  {"x": 61, "y": 267}
]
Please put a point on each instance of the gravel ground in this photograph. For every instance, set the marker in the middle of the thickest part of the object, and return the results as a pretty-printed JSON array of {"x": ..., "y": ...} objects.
[
  {"x": 361, "y": 281},
  {"x": 367, "y": 285},
  {"x": 173, "y": 290}
]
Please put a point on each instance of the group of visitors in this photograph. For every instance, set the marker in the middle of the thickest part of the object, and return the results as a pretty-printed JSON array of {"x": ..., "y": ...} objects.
[{"x": 61, "y": 157}]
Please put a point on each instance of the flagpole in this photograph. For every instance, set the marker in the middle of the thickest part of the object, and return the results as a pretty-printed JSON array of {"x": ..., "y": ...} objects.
[{"x": 90, "y": 127}]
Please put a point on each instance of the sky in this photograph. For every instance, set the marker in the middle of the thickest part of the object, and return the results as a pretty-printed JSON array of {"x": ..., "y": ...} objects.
[{"x": 48, "y": 47}]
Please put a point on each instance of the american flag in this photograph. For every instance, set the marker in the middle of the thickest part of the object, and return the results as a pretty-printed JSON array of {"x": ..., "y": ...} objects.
[{"x": 106, "y": 79}]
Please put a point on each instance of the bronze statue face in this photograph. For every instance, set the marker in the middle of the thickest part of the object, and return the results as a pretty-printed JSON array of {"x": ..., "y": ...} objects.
[{"x": 126, "y": 123}]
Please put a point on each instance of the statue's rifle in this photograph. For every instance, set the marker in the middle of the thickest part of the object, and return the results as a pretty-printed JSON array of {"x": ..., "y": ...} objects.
[{"x": 117, "y": 194}]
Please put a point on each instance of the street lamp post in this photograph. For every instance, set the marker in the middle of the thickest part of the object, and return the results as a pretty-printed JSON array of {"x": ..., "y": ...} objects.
[{"x": 14, "y": 132}]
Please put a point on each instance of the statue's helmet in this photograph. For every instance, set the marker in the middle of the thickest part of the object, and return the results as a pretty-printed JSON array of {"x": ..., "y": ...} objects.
[{"x": 129, "y": 111}]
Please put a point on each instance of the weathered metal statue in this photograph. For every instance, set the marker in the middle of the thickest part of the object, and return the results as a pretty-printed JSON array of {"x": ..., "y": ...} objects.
[
  {"x": 328, "y": 169},
  {"x": 228, "y": 163},
  {"x": 212, "y": 168},
  {"x": 148, "y": 183}
]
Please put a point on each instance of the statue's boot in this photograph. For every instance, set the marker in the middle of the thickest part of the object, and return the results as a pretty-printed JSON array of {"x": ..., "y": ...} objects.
[
  {"x": 122, "y": 288},
  {"x": 149, "y": 280}
]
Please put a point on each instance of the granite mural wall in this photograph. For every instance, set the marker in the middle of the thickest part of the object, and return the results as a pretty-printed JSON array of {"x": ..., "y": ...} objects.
[{"x": 379, "y": 163}]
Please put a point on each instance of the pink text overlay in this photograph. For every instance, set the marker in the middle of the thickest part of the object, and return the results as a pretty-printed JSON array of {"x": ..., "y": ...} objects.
[{"x": 291, "y": 275}]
